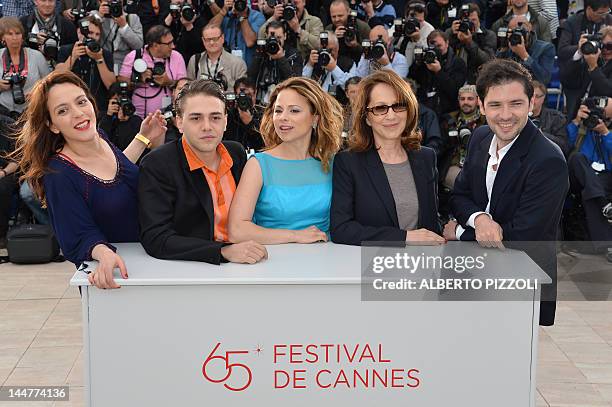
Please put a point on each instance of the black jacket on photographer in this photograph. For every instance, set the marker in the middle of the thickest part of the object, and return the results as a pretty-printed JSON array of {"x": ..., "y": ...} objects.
[
  {"x": 86, "y": 69},
  {"x": 120, "y": 133},
  {"x": 63, "y": 27},
  {"x": 246, "y": 134},
  {"x": 539, "y": 24},
  {"x": 149, "y": 16},
  {"x": 439, "y": 91},
  {"x": 438, "y": 16},
  {"x": 187, "y": 43},
  {"x": 430, "y": 129},
  {"x": 277, "y": 70},
  {"x": 553, "y": 125},
  {"x": 349, "y": 55},
  {"x": 480, "y": 50},
  {"x": 574, "y": 74}
]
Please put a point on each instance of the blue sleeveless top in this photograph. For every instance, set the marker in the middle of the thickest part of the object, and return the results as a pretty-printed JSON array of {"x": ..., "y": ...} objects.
[{"x": 295, "y": 194}]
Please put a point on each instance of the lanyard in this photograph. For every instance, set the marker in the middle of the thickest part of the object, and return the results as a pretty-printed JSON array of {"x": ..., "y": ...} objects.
[
  {"x": 206, "y": 59},
  {"x": 8, "y": 65}
]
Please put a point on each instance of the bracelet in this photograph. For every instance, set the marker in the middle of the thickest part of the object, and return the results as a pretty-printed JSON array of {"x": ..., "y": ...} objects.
[{"x": 143, "y": 139}]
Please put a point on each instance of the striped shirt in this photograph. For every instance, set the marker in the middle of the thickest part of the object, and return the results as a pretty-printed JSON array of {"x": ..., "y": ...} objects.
[
  {"x": 221, "y": 183},
  {"x": 548, "y": 10}
]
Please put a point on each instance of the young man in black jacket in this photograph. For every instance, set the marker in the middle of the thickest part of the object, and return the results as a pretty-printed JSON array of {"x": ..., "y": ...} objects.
[{"x": 186, "y": 187}]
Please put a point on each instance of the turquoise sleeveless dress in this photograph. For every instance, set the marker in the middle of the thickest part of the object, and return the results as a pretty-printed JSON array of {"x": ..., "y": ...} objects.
[{"x": 295, "y": 194}]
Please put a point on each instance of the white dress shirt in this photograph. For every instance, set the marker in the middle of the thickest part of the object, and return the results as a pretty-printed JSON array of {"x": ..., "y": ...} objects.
[
  {"x": 335, "y": 77},
  {"x": 495, "y": 158}
]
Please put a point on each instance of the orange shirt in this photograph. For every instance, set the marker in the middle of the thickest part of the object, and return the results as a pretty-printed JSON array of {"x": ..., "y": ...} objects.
[{"x": 221, "y": 183}]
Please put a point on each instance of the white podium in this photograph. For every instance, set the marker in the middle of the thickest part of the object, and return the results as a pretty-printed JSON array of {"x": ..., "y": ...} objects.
[{"x": 293, "y": 331}]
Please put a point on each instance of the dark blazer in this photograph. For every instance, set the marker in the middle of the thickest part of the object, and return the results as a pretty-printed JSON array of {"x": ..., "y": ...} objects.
[
  {"x": 363, "y": 208},
  {"x": 65, "y": 28},
  {"x": 175, "y": 205},
  {"x": 527, "y": 198}
]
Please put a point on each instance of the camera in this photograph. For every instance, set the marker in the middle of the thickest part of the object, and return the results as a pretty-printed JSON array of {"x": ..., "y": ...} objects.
[
  {"x": 125, "y": 101},
  {"x": 240, "y": 6},
  {"x": 243, "y": 101},
  {"x": 79, "y": 14},
  {"x": 592, "y": 44},
  {"x": 219, "y": 79},
  {"x": 405, "y": 26},
  {"x": 230, "y": 100},
  {"x": 376, "y": 50},
  {"x": 50, "y": 45},
  {"x": 92, "y": 45},
  {"x": 138, "y": 68},
  {"x": 169, "y": 114},
  {"x": 33, "y": 41},
  {"x": 159, "y": 68},
  {"x": 16, "y": 81},
  {"x": 502, "y": 37},
  {"x": 461, "y": 132},
  {"x": 596, "y": 105},
  {"x": 270, "y": 45},
  {"x": 175, "y": 11},
  {"x": 518, "y": 35},
  {"x": 466, "y": 25},
  {"x": 324, "y": 52},
  {"x": 131, "y": 6},
  {"x": 427, "y": 55},
  {"x": 351, "y": 27},
  {"x": 115, "y": 9},
  {"x": 289, "y": 11},
  {"x": 188, "y": 12}
]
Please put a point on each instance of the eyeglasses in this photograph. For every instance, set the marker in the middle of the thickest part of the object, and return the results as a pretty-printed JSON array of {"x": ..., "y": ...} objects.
[
  {"x": 602, "y": 13},
  {"x": 212, "y": 39},
  {"x": 607, "y": 46},
  {"x": 169, "y": 43},
  {"x": 384, "y": 109}
]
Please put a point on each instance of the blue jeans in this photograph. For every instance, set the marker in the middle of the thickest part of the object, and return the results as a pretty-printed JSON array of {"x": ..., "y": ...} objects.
[{"x": 41, "y": 215}]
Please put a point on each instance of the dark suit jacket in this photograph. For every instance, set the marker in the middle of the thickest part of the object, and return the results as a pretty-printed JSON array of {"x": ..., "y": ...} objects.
[
  {"x": 527, "y": 198},
  {"x": 363, "y": 208},
  {"x": 65, "y": 28},
  {"x": 175, "y": 205}
]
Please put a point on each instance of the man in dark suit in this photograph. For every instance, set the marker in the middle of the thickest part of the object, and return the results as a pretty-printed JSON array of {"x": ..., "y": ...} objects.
[
  {"x": 186, "y": 187},
  {"x": 514, "y": 180}
]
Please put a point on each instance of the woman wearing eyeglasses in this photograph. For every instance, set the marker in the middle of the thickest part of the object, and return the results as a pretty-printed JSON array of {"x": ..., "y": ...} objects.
[{"x": 385, "y": 185}]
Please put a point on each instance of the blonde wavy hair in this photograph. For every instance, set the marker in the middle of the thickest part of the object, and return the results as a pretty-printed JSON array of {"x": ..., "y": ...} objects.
[
  {"x": 326, "y": 139},
  {"x": 362, "y": 138}
]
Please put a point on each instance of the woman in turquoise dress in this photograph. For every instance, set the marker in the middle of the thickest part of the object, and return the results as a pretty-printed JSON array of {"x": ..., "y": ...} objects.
[{"x": 284, "y": 194}]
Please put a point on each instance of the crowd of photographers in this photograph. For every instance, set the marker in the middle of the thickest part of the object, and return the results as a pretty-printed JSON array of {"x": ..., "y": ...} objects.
[{"x": 135, "y": 54}]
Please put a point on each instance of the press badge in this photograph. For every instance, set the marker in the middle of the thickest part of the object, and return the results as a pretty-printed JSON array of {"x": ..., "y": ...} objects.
[
  {"x": 237, "y": 52},
  {"x": 452, "y": 12},
  {"x": 431, "y": 94},
  {"x": 599, "y": 167},
  {"x": 166, "y": 101}
]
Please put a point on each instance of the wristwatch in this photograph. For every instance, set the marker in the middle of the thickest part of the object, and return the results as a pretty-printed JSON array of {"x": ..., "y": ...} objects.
[
  {"x": 145, "y": 140},
  {"x": 241, "y": 18},
  {"x": 100, "y": 61}
]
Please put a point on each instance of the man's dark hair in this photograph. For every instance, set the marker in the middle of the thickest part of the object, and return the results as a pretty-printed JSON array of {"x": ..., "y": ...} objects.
[
  {"x": 473, "y": 7},
  {"x": 244, "y": 82},
  {"x": 198, "y": 87},
  {"x": 437, "y": 33},
  {"x": 275, "y": 24},
  {"x": 415, "y": 3},
  {"x": 596, "y": 4},
  {"x": 353, "y": 80},
  {"x": 500, "y": 72},
  {"x": 155, "y": 34}
]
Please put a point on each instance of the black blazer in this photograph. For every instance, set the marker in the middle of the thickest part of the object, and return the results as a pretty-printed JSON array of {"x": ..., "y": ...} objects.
[
  {"x": 175, "y": 205},
  {"x": 362, "y": 207},
  {"x": 526, "y": 201},
  {"x": 65, "y": 28}
]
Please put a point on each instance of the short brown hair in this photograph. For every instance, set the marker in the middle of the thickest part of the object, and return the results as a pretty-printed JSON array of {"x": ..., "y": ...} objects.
[
  {"x": 327, "y": 137},
  {"x": 10, "y": 23},
  {"x": 95, "y": 21},
  {"x": 197, "y": 87},
  {"x": 363, "y": 136},
  {"x": 500, "y": 72}
]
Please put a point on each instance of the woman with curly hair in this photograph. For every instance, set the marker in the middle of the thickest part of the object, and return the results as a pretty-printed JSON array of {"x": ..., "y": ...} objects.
[
  {"x": 284, "y": 194},
  {"x": 385, "y": 185}
]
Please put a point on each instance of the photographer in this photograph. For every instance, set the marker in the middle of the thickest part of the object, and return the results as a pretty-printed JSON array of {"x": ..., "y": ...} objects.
[
  {"x": 216, "y": 63},
  {"x": 151, "y": 13},
  {"x": 87, "y": 59},
  {"x": 186, "y": 26},
  {"x": 380, "y": 55},
  {"x": 244, "y": 117},
  {"x": 439, "y": 74},
  {"x": 322, "y": 65},
  {"x": 240, "y": 25},
  {"x": 551, "y": 122},
  {"x": 50, "y": 29},
  {"x": 412, "y": 31},
  {"x": 586, "y": 30},
  {"x": 172, "y": 132},
  {"x": 120, "y": 123},
  {"x": 75, "y": 10},
  {"x": 302, "y": 28},
  {"x": 472, "y": 42},
  {"x": 370, "y": 9},
  {"x": 441, "y": 13},
  {"x": 274, "y": 61},
  {"x": 349, "y": 30},
  {"x": 590, "y": 168},
  {"x": 458, "y": 127},
  {"x": 520, "y": 8},
  {"x": 21, "y": 68},
  {"x": 523, "y": 47},
  {"x": 123, "y": 32},
  {"x": 153, "y": 71}
]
